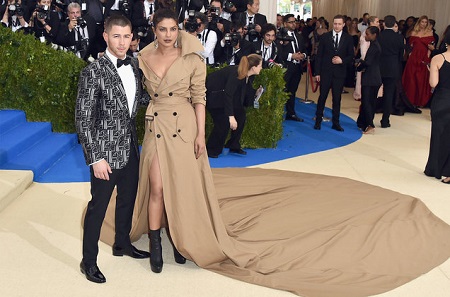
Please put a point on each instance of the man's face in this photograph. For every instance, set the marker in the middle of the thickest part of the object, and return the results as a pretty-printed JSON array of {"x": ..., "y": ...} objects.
[
  {"x": 201, "y": 26},
  {"x": 241, "y": 32},
  {"x": 269, "y": 37},
  {"x": 217, "y": 5},
  {"x": 254, "y": 8},
  {"x": 134, "y": 45},
  {"x": 74, "y": 13},
  {"x": 118, "y": 40},
  {"x": 45, "y": 2},
  {"x": 338, "y": 25},
  {"x": 290, "y": 24},
  {"x": 279, "y": 21},
  {"x": 365, "y": 17},
  {"x": 375, "y": 23}
]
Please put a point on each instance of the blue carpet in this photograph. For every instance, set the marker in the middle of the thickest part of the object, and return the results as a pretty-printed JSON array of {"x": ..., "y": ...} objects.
[{"x": 68, "y": 163}]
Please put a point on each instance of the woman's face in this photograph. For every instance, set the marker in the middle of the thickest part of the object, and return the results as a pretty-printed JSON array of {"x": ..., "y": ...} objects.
[
  {"x": 370, "y": 36},
  {"x": 423, "y": 23},
  {"x": 395, "y": 28},
  {"x": 166, "y": 32}
]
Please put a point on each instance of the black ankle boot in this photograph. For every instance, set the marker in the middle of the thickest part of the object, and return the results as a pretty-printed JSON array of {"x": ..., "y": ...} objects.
[
  {"x": 176, "y": 254},
  {"x": 156, "y": 260}
]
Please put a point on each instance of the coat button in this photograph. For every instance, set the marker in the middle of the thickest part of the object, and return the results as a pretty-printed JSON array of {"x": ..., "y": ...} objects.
[
  {"x": 170, "y": 94},
  {"x": 150, "y": 130},
  {"x": 174, "y": 135},
  {"x": 175, "y": 113},
  {"x": 155, "y": 114},
  {"x": 179, "y": 130},
  {"x": 156, "y": 95},
  {"x": 158, "y": 135}
]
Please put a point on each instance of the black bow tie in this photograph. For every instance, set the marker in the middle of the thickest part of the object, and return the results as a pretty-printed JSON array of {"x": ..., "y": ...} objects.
[{"x": 125, "y": 62}]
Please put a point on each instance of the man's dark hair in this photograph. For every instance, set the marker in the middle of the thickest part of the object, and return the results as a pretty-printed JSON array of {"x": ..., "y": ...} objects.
[
  {"x": 135, "y": 36},
  {"x": 117, "y": 20},
  {"x": 339, "y": 16},
  {"x": 164, "y": 13},
  {"x": 365, "y": 14},
  {"x": 374, "y": 30},
  {"x": 236, "y": 26},
  {"x": 267, "y": 28},
  {"x": 287, "y": 17},
  {"x": 202, "y": 17},
  {"x": 250, "y": 2},
  {"x": 389, "y": 21},
  {"x": 218, "y": 1}
]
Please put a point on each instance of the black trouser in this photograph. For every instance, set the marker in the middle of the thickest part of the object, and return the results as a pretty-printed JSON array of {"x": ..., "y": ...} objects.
[
  {"x": 292, "y": 78},
  {"x": 388, "y": 98},
  {"x": 337, "y": 85},
  {"x": 220, "y": 130},
  {"x": 126, "y": 180},
  {"x": 368, "y": 102}
]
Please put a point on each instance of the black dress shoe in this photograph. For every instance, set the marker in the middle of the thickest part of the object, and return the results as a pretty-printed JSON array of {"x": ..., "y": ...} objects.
[
  {"x": 130, "y": 251},
  {"x": 317, "y": 125},
  {"x": 383, "y": 125},
  {"x": 211, "y": 155},
  {"x": 92, "y": 273},
  {"x": 337, "y": 127},
  {"x": 238, "y": 151},
  {"x": 294, "y": 118}
]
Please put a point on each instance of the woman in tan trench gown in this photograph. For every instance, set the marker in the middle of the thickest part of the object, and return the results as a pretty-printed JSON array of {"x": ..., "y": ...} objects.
[{"x": 309, "y": 234}]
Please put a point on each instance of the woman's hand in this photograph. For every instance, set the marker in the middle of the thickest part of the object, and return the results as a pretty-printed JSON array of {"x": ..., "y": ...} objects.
[
  {"x": 199, "y": 146},
  {"x": 233, "y": 123}
]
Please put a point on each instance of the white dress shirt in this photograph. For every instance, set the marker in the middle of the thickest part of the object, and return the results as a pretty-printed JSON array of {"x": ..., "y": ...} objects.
[{"x": 208, "y": 38}]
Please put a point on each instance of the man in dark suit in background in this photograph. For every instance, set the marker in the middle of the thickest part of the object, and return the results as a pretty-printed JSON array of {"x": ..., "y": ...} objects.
[
  {"x": 392, "y": 49},
  {"x": 334, "y": 53},
  {"x": 267, "y": 47},
  {"x": 233, "y": 50},
  {"x": 292, "y": 54},
  {"x": 183, "y": 7},
  {"x": 109, "y": 91},
  {"x": 250, "y": 18}
]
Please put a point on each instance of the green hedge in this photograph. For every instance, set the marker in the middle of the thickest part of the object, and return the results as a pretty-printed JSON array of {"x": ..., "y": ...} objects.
[
  {"x": 38, "y": 79},
  {"x": 43, "y": 82}
]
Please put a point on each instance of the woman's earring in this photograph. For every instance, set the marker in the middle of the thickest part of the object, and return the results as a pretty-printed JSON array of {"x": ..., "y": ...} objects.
[
  {"x": 156, "y": 43},
  {"x": 175, "y": 45}
]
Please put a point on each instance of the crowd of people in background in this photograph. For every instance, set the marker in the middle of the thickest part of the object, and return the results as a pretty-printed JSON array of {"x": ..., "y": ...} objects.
[{"x": 232, "y": 29}]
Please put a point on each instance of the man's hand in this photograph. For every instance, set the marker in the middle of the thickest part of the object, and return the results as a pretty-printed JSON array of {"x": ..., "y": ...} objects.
[
  {"x": 233, "y": 123},
  {"x": 258, "y": 28},
  {"x": 317, "y": 78},
  {"x": 72, "y": 24},
  {"x": 102, "y": 170},
  {"x": 220, "y": 27},
  {"x": 336, "y": 60},
  {"x": 298, "y": 56}
]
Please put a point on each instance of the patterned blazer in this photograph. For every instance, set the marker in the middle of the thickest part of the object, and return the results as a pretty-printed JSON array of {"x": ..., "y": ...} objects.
[{"x": 104, "y": 125}]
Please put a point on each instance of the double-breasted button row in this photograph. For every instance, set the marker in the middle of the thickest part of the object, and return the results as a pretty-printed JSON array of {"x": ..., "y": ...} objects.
[{"x": 156, "y": 94}]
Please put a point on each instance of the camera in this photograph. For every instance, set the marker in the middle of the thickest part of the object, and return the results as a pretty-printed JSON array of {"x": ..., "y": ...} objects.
[
  {"x": 16, "y": 9},
  {"x": 228, "y": 6},
  {"x": 142, "y": 31},
  {"x": 283, "y": 35},
  {"x": 43, "y": 12},
  {"x": 213, "y": 12},
  {"x": 251, "y": 32},
  {"x": 124, "y": 6},
  {"x": 81, "y": 22},
  {"x": 191, "y": 24},
  {"x": 232, "y": 39}
]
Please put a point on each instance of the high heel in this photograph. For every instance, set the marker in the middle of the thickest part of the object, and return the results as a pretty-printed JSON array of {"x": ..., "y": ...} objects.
[
  {"x": 156, "y": 260},
  {"x": 179, "y": 258}
]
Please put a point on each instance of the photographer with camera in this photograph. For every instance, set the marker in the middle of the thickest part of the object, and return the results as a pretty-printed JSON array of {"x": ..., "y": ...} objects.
[
  {"x": 234, "y": 46},
  {"x": 122, "y": 7},
  {"x": 217, "y": 23},
  {"x": 142, "y": 18},
  {"x": 293, "y": 52},
  {"x": 44, "y": 22},
  {"x": 13, "y": 17},
  {"x": 78, "y": 34},
  {"x": 196, "y": 24},
  {"x": 183, "y": 7},
  {"x": 267, "y": 47},
  {"x": 252, "y": 20}
]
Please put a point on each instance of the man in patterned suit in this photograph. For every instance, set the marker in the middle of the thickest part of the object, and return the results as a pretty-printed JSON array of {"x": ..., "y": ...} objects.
[{"x": 109, "y": 91}]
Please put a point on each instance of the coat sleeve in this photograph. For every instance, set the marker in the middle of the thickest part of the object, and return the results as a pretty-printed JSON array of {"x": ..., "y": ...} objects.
[
  {"x": 198, "y": 76},
  {"x": 86, "y": 114}
]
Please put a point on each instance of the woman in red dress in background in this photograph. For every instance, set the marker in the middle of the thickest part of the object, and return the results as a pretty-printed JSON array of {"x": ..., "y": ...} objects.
[{"x": 416, "y": 75}]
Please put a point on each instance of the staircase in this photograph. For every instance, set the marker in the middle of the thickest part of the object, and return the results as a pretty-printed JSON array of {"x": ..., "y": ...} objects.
[{"x": 53, "y": 157}]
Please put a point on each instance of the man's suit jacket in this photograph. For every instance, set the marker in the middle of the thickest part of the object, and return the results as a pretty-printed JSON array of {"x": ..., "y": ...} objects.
[
  {"x": 104, "y": 125},
  {"x": 138, "y": 17},
  {"x": 287, "y": 49},
  {"x": 273, "y": 56},
  {"x": 326, "y": 52},
  {"x": 392, "y": 48},
  {"x": 109, "y": 4},
  {"x": 371, "y": 75},
  {"x": 227, "y": 52},
  {"x": 241, "y": 17}
]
